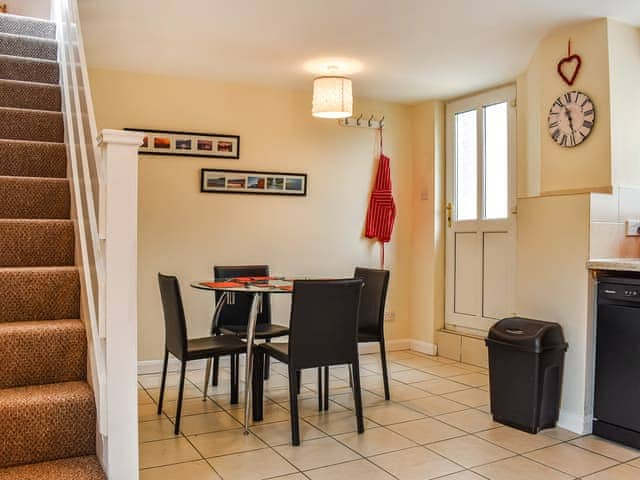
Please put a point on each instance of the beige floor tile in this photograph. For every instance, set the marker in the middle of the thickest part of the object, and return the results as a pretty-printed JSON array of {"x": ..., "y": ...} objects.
[
  {"x": 225, "y": 443},
  {"x": 191, "y": 406},
  {"x": 519, "y": 468},
  {"x": 635, "y": 463},
  {"x": 293, "y": 476},
  {"x": 435, "y": 405},
  {"x": 420, "y": 363},
  {"x": 368, "y": 399},
  {"x": 171, "y": 393},
  {"x": 606, "y": 448},
  {"x": 415, "y": 464},
  {"x": 572, "y": 460},
  {"x": 466, "y": 475},
  {"x": 148, "y": 412},
  {"x": 337, "y": 423},
  {"x": 399, "y": 355},
  {"x": 154, "y": 380},
  {"x": 446, "y": 370},
  {"x": 271, "y": 413},
  {"x": 399, "y": 392},
  {"x": 412, "y": 376},
  {"x": 474, "y": 397},
  {"x": 279, "y": 433},
  {"x": 155, "y": 430},
  {"x": 391, "y": 413},
  {"x": 199, "y": 470},
  {"x": 166, "y": 452},
  {"x": 316, "y": 453},
  {"x": 143, "y": 397},
  {"x": 440, "y": 386},
  {"x": 427, "y": 430},
  {"x": 469, "y": 451},
  {"x": 469, "y": 420},
  {"x": 517, "y": 441},
  {"x": 356, "y": 470},
  {"x": 224, "y": 401},
  {"x": 309, "y": 406},
  {"x": 208, "y": 422},
  {"x": 472, "y": 379},
  {"x": 392, "y": 367},
  {"x": 621, "y": 472},
  {"x": 334, "y": 384},
  {"x": 254, "y": 465},
  {"x": 560, "y": 434},
  {"x": 444, "y": 360},
  {"x": 277, "y": 381},
  {"x": 375, "y": 441}
]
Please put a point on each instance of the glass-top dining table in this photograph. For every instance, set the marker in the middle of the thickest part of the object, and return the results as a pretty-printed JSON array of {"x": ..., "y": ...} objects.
[{"x": 255, "y": 286}]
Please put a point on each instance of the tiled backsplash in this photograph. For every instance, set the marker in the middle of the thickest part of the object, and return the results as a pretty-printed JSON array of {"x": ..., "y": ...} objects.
[{"x": 608, "y": 215}]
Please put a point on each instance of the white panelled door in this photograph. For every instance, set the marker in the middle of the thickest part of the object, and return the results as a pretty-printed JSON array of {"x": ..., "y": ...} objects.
[{"x": 481, "y": 222}]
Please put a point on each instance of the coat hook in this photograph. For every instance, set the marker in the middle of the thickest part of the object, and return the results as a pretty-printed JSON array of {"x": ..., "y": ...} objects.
[
  {"x": 358, "y": 119},
  {"x": 381, "y": 121},
  {"x": 370, "y": 120}
]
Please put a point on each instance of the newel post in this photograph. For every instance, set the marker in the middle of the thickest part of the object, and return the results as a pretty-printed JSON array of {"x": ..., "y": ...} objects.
[{"x": 118, "y": 225}]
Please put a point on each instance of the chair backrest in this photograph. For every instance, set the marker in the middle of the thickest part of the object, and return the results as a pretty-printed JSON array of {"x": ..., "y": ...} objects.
[
  {"x": 324, "y": 322},
  {"x": 175, "y": 325},
  {"x": 238, "y": 312},
  {"x": 374, "y": 297}
]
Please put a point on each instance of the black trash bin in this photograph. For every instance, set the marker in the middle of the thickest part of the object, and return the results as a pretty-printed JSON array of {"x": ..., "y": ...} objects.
[{"x": 526, "y": 359}]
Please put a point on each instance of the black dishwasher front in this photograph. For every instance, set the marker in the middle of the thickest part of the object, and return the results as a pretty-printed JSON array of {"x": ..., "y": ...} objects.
[{"x": 617, "y": 379}]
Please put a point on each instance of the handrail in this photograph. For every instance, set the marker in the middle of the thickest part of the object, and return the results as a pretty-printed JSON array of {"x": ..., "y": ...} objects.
[{"x": 86, "y": 178}]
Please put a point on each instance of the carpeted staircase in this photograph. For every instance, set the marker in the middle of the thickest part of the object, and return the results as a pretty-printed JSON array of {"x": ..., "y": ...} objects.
[{"x": 47, "y": 409}]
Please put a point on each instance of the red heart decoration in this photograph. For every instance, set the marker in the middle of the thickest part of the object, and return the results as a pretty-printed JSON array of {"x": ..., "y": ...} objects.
[{"x": 566, "y": 64}]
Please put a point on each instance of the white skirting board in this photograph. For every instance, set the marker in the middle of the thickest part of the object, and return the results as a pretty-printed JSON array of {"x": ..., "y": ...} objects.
[
  {"x": 579, "y": 424},
  {"x": 146, "y": 367}
]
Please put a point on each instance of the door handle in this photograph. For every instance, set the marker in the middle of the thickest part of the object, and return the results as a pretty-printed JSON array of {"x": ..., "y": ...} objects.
[{"x": 449, "y": 209}]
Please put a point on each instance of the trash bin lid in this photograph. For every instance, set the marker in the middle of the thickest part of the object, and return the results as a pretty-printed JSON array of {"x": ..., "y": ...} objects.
[{"x": 527, "y": 334}]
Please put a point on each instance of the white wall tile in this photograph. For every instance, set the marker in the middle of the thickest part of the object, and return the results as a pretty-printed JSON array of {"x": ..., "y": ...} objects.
[{"x": 604, "y": 207}]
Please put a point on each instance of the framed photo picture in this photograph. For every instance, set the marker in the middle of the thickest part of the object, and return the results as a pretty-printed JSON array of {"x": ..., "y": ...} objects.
[
  {"x": 189, "y": 144},
  {"x": 246, "y": 181}
]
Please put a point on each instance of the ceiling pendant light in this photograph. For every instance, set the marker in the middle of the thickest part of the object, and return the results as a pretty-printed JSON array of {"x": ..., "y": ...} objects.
[{"x": 332, "y": 97}]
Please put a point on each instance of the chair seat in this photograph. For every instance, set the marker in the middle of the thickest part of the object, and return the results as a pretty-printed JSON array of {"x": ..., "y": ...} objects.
[
  {"x": 207, "y": 347},
  {"x": 278, "y": 350},
  {"x": 263, "y": 330},
  {"x": 365, "y": 336}
]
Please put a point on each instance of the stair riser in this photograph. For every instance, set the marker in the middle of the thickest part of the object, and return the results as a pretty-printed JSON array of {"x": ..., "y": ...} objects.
[
  {"x": 29, "y": 47},
  {"x": 35, "y": 125},
  {"x": 35, "y": 353},
  {"x": 36, "y": 244},
  {"x": 34, "y": 198},
  {"x": 29, "y": 70},
  {"x": 39, "y": 294},
  {"x": 78, "y": 468},
  {"x": 22, "y": 159},
  {"x": 28, "y": 95},
  {"x": 48, "y": 430},
  {"x": 32, "y": 27}
]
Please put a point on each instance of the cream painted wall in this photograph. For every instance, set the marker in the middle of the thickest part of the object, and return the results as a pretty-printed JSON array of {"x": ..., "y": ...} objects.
[
  {"x": 185, "y": 232},
  {"x": 29, "y": 8},
  {"x": 553, "y": 285},
  {"x": 548, "y": 168},
  {"x": 427, "y": 273}
]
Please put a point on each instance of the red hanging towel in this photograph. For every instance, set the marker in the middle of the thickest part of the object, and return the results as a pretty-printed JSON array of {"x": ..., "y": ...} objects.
[{"x": 382, "y": 208}]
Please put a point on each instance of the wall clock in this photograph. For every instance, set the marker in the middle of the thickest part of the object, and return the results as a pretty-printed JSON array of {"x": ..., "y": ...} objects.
[{"x": 571, "y": 119}]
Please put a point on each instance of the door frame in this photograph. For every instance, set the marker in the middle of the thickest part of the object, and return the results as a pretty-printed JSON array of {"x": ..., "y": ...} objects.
[{"x": 477, "y": 324}]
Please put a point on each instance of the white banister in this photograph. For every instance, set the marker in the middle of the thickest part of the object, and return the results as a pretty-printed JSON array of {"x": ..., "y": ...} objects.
[{"x": 119, "y": 217}]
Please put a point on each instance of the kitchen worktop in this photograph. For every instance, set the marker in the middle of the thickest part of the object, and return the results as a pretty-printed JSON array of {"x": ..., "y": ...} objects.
[{"x": 617, "y": 264}]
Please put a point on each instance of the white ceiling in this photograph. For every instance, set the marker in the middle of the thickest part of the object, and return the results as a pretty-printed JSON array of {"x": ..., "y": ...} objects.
[{"x": 409, "y": 50}]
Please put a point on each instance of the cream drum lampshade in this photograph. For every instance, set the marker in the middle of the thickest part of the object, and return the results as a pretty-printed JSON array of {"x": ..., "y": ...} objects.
[{"x": 332, "y": 97}]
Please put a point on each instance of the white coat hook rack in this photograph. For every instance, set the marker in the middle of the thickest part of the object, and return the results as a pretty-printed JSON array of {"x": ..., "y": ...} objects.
[{"x": 361, "y": 122}]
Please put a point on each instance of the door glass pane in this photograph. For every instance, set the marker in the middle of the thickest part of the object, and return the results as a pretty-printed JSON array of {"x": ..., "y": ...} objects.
[
  {"x": 466, "y": 166},
  {"x": 496, "y": 172}
]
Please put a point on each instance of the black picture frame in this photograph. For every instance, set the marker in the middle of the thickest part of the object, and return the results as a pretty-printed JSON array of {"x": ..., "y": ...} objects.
[
  {"x": 249, "y": 182},
  {"x": 189, "y": 144}
]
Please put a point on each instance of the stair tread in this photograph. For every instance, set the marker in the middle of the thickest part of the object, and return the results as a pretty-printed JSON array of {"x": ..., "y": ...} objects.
[
  {"x": 28, "y": 46},
  {"x": 28, "y": 59},
  {"x": 27, "y": 83},
  {"x": 44, "y": 394},
  {"x": 37, "y": 27},
  {"x": 13, "y": 67},
  {"x": 75, "y": 468}
]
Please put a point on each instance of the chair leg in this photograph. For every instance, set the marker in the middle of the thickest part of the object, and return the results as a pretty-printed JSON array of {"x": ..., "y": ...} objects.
[
  {"x": 257, "y": 390},
  {"x": 293, "y": 405},
  {"x": 183, "y": 372},
  {"x": 298, "y": 381},
  {"x": 320, "y": 396},
  {"x": 235, "y": 379},
  {"x": 164, "y": 381},
  {"x": 216, "y": 369},
  {"x": 267, "y": 363},
  {"x": 207, "y": 374},
  {"x": 385, "y": 373},
  {"x": 326, "y": 388},
  {"x": 357, "y": 395}
]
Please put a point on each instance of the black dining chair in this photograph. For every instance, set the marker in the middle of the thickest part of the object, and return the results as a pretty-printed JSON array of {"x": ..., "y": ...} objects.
[
  {"x": 323, "y": 332},
  {"x": 184, "y": 349},
  {"x": 234, "y": 317},
  {"x": 370, "y": 321}
]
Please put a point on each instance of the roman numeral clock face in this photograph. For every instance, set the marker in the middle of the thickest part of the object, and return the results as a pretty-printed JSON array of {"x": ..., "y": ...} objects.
[{"x": 571, "y": 119}]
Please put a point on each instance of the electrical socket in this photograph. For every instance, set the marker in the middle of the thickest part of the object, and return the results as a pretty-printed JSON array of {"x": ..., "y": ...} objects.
[
  {"x": 389, "y": 316},
  {"x": 632, "y": 228}
]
